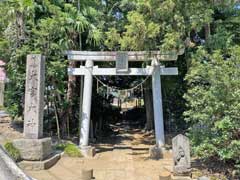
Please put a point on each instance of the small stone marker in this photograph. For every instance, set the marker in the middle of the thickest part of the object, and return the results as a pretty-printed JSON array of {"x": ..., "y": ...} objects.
[
  {"x": 181, "y": 155},
  {"x": 86, "y": 174},
  {"x": 88, "y": 151},
  {"x": 34, "y": 95},
  {"x": 155, "y": 152},
  {"x": 203, "y": 178},
  {"x": 166, "y": 176}
]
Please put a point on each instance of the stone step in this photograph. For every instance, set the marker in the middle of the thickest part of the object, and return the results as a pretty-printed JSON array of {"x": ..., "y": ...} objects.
[
  {"x": 4, "y": 117},
  {"x": 3, "y": 114}
]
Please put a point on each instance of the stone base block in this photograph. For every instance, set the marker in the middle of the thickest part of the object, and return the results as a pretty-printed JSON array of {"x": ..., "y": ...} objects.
[
  {"x": 181, "y": 171},
  {"x": 181, "y": 177},
  {"x": 88, "y": 151},
  {"x": 166, "y": 176},
  {"x": 155, "y": 152},
  {"x": 203, "y": 178},
  {"x": 40, "y": 165},
  {"x": 34, "y": 149},
  {"x": 86, "y": 174}
]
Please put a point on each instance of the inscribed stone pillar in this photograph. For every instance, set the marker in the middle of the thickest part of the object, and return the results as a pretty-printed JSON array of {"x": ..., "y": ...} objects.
[
  {"x": 2, "y": 87},
  {"x": 157, "y": 107},
  {"x": 34, "y": 97}
]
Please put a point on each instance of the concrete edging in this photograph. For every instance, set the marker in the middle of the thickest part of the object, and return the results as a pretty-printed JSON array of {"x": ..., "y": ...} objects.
[{"x": 9, "y": 169}]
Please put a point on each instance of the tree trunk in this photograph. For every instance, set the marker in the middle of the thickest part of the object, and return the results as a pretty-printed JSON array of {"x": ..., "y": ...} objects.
[
  {"x": 148, "y": 101},
  {"x": 57, "y": 119},
  {"x": 207, "y": 29},
  {"x": 70, "y": 97},
  {"x": 20, "y": 26}
]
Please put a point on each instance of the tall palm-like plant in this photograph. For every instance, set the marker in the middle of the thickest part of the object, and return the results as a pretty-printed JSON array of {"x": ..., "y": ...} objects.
[
  {"x": 78, "y": 22},
  {"x": 19, "y": 10}
]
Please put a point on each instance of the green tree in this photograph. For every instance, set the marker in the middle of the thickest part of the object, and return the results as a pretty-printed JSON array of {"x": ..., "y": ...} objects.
[
  {"x": 212, "y": 97},
  {"x": 161, "y": 25},
  {"x": 213, "y": 100},
  {"x": 47, "y": 27}
]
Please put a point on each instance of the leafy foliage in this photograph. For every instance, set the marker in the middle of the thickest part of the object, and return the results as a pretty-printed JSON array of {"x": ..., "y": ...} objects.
[
  {"x": 70, "y": 149},
  {"x": 161, "y": 24},
  {"x": 213, "y": 99},
  {"x": 213, "y": 85},
  {"x": 46, "y": 27}
]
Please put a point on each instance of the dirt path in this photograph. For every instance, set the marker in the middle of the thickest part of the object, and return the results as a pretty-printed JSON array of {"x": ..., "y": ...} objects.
[
  {"x": 8, "y": 131},
  {"x": 126, "y": 160},
  {"x": 122, "y": 157}
]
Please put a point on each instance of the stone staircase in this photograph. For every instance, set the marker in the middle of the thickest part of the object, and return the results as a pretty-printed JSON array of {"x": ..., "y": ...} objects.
[{"x": 4, "y": 117}]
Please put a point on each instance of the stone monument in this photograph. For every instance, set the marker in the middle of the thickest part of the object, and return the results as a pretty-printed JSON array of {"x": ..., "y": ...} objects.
[
  {"x": 2, "y": 87},
  {"x": 34, "y": 97},
  {"x": 181, "y": 155},
  {"x": 34, "y": 147},
  {"x": 3, "y": 80}
]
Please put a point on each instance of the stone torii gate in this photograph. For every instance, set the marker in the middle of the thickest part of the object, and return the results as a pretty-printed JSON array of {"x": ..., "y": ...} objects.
[{"x": 122, "y": 58}]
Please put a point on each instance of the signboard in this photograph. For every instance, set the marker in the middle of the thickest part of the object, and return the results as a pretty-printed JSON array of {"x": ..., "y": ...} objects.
[{"x": 122, "y": 62}]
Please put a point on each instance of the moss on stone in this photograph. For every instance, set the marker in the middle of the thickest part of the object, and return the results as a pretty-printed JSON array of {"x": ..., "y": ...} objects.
[{"x": 12, "y": 151}]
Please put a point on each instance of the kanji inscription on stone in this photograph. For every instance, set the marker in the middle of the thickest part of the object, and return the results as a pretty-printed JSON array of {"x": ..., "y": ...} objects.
[
  {"x": 34, "y": 97},
  {"x": 122, "y": 62}
]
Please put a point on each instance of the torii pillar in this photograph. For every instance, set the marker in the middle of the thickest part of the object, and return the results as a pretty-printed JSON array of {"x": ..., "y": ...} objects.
[
  {"x": 86, "y": 105},
  {"x": 157, "y": 106}
]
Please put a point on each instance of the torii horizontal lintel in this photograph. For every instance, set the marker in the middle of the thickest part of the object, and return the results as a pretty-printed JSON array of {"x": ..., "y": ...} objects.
[
  {"x": 132, "y": 55},
  {"x": 112, "y": 71}
]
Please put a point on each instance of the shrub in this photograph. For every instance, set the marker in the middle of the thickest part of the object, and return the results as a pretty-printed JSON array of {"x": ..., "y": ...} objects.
[
  {"x": 213, "y": 100},
  {"x": 12, "y": 151},
  {"x": 61, "y": 146},
  {"x": 70, "y": 149}
]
